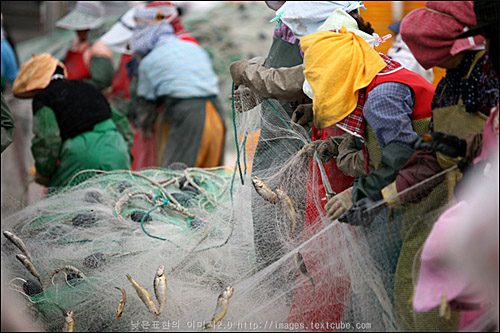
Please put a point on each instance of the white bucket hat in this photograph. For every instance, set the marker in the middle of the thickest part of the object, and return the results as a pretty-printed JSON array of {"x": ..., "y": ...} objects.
[
  {"x": 87, "y": 15},
  {"x": 120, "y": 33}
]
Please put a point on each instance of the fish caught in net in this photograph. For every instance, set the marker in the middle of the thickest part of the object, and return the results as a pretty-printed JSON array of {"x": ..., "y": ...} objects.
[{"x": 279, "y": 266}]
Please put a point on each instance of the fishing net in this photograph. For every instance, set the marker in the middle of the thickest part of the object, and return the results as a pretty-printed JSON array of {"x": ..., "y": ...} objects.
[{"x": 211, "y": 229}]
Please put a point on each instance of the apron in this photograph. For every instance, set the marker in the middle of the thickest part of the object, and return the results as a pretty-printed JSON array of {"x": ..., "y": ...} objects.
[
  {"x": 455, "y": 120},
  {"x": 419, "y": 218},
  {"x": 75, "y": 66}
]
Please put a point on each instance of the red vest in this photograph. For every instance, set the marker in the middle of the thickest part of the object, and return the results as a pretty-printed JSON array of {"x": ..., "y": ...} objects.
[
  {"x": 423, "y": 90},
  {"x": 75, "y": 66}
]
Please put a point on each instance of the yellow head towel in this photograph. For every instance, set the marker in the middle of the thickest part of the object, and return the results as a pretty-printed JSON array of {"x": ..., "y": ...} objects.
[
  {"x": 337, "y": 66},
  {"x": 35, "y": 75}
]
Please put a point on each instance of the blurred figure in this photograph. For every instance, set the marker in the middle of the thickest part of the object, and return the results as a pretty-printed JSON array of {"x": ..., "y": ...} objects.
[
  {"x": 457, "y": 271},
  {"x": 74, "y": 127},
  {"x": 178, "y": 76},
  {"x": 10, "y": 66},
  {"x": 84, "y": 61},
  {"x": 123, "y": 89},
  {"x": 400, "y": 52},
  {"x": 8, "y": 126}
]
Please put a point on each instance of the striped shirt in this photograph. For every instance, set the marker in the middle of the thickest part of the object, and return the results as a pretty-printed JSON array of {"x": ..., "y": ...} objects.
[{"x": 177, "y": 69}]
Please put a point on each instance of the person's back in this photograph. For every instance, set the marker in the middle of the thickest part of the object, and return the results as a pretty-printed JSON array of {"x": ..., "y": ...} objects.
[
  {"x": 73, "y": 121},
  {"x": 177, "y": 69},
  {"x": 78, "y": 106}
]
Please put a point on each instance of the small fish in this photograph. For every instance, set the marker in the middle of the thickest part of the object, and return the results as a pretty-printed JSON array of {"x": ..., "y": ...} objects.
[
  {"x": 144, "y": 296},
  {"x": 18, "y": 243},
  {"x": 160, "y": 286},
  {"x": 29, "y": 266},
  {"x": 69, "y": 322},
  {"x": 119, "y": 312},
  {"x": 222, "y": 306},
  {"x": 264, "y": 191},
  {"x": 301, "y": 265},
  {"x": 289, "y": 209}
]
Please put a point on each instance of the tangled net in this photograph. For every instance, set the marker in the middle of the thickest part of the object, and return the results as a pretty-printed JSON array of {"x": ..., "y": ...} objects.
[{"x": 210, "y": 230}]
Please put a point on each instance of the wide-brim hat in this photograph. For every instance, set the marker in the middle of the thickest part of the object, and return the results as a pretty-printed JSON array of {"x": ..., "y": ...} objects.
[
  {"x": 35, "y": 74},
  {"x": 87, "y": 15},
  {"x": 430, "y": 32},
  {"x": 120, "y": 33}
]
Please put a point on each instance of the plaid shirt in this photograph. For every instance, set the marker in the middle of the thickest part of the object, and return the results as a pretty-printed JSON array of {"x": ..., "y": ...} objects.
[
  {"x": 177, "y": 69},
  {"x": 387, "y": 110}
]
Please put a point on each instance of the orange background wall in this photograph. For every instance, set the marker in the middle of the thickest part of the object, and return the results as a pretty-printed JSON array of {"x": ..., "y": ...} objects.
[{"x": 379, "y": 14}]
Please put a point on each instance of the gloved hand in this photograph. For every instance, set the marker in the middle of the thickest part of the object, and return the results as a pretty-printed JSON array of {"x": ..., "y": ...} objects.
[
  {"x": 449, "y": 145},
  {"x": 327, "y": 149},
  {"x": 303, "y": 115},
  {"x": 42, "y": 180},
  {"x": 340, "y": 203},
  {"x": 236, "y": 68},
  {"x": 363, "y": 211}
]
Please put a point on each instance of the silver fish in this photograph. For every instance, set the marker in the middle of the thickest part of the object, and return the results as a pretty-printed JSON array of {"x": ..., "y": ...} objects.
[
  {"x": 289, "y": 209},
  {"x": 144, "y": 296},
  {"x": 18, "y": 243},
  {"x": 264, "y": 191},
  {"x": 301, "y": 265},
  {"x": 160, "y": 286},
  {"x": 69, "y": 322},
  {"x": 222, "y": 306},
  {"x": 29, "y": 266},
  {"x": 121, "y": 306}
]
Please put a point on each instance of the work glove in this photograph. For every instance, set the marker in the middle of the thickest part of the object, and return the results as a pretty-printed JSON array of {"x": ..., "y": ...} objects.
[
  {"x": 363, "y": 211},
  {"x": 326, "y": 149},
  {"x": 448, "y": 145},
  {"x": 339, "y": 204},
  {"x": 236, "y": 68},
  {"x": 303, "y": 115}
]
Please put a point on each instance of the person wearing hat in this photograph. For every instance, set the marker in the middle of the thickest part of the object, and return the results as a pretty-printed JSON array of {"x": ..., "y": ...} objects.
[
  {"x": 124, "y": 84},
  {"x": 458, "y": 107},
  {"x": 74, "y": 127},
  {"x": 487, "y": 13},
  {"x": 178, "y": 76},
  {"x": 400, "y": 52},
  {"x": 83, "y": 60}
]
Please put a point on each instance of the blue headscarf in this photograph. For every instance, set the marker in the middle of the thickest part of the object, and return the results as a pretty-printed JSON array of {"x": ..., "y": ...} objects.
[{"x": 147, "y": 37}]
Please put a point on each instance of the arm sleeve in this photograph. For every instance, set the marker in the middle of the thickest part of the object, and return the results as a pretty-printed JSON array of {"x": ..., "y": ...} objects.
[
  {"x": 46, "y": 144},
  {"x": 394, "y": 156},
  {"x": 123, "y": 126},
  {"x": 350, "y": 159},
  {"x": 101, "y": 72},
  {"x": 387, "y": 110},
  {"x": 284, "y": 83},
  {"x": 420, "y": 166},
  {"x": 8, "y": 126}
]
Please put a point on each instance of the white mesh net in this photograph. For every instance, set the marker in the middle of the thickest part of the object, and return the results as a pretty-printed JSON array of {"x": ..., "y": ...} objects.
[{"x": 211, "y": 231}]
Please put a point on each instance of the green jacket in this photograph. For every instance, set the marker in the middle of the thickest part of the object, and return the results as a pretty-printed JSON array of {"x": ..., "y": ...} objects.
[
  {"x": 103, "y": 148},
  {"x": 8, "y": 125},
  {"x": 101, "y": 72}
]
